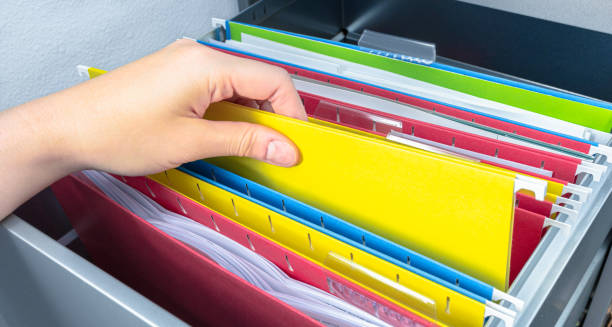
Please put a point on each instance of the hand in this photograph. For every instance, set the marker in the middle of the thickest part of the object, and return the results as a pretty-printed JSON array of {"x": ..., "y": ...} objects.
[{"x": 145, "y": 117}]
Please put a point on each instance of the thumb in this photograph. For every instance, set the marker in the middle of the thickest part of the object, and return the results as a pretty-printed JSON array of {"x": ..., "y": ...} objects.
[{"x": 224, "y": 138}]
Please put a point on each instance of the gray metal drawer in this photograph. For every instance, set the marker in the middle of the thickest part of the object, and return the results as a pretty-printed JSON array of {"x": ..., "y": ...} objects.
[{"x": 42, "y": 283}]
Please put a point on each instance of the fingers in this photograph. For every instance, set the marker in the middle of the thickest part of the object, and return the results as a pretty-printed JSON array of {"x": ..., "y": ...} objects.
[
  {"x": 222, "y": 138},
  {"x": 260, "y": 81}
]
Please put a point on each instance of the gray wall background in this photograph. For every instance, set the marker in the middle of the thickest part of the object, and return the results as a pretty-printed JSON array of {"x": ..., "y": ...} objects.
[
  {"x": 42, "y": 41},
  {"x": 594, "y": 15}
]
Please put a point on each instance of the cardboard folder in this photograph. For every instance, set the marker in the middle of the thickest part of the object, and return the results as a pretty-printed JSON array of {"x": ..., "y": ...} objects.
[
  {"x": 343, "y": 174},
  {"x": 173, "y": 275},
  {"x": 553, "y": 105},
  {"x": 340, "y": 229},
  {"x": 290, "y": 262},
  {"x": 95, "y": 72},
  {"x": 307, "y": 241},
  {"x": 556, "y": 139},
  {"x": 563, "y": 167}
]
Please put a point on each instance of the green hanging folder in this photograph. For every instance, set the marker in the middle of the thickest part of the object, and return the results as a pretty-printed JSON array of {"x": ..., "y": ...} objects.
[{"x": 572, "y": 111}]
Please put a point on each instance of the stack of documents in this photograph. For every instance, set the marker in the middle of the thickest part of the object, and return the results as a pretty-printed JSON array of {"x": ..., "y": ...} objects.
[{"x": 422, "y": 190}]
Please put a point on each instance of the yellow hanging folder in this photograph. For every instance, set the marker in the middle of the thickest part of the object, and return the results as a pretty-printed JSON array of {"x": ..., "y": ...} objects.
[
  {"x": 433, "y": 300},
  {"x": 553, "y": 188},
  {"x": 454, "y": 211}
]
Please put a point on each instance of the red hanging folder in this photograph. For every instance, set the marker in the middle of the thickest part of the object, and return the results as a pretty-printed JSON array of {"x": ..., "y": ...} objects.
[
  {"x": 170, "y": 273},
  {"x": 428, "y": 105},
  {"x": 373, "y": 121},
  {"x": 294, "y": 265},
  {"x": 526, "y": 235}
]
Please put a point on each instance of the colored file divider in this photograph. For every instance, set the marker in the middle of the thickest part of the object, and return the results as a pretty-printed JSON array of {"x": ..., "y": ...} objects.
[
  {"x": 563, "y": 167},
  {"x": 448, "y": 306},
  {"x": 544, "y": 208},
  {"x": 93, "y": 72},
  {"x": 529, "y": 226},
  {"x": 565, "y": 109},
  {"x": 362, "y": 121},
  {"x": 562, "y": 143},
  {"x": 358, "y": 237},
  {"x": 339, "y": 169},
  {"x": 168, "y": 272},
  {"x": 494, "y": 270},
  {"x": 380, "y": 124},
  {"x": 296, "y": 266}
]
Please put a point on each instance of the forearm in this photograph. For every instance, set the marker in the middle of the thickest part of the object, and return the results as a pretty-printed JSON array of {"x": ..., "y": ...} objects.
[
  {"x": 143, "y": 118},
  {"x": 34, "y": 149}
]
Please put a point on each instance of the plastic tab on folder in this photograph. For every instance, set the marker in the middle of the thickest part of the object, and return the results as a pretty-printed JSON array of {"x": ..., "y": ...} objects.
[{"x": 325, "y": 178}]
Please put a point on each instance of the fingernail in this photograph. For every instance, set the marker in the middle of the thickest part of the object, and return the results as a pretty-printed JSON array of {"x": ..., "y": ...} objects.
[
  {"x": 280, "y": 153},
  {"x": 266, "y": 106}
]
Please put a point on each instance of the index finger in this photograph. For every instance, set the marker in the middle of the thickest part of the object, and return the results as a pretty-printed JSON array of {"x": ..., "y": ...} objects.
[{"x": 260, "y": 81}]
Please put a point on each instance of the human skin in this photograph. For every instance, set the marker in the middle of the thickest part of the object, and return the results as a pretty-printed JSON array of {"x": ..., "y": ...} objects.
[{"x": 143, "y": 118}]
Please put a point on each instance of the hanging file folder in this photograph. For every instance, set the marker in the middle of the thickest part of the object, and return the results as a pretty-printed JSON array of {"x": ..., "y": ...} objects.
[
  {"x": 240, "y": 260},
  {"x": 293, "y": 264},
  {"x": 448, "y": 306},
  {"x": 554, "y": 139},
  {"x": 173, "y": 275},
  {"x": 348, "y": 170},
  {"x": 496, "y": 274},
  {"x": 493, "y": 152},
  {"x": 568, "y": 110},
  {"x": 362, "y": 239},
  {"x": 562, "y": 167}
]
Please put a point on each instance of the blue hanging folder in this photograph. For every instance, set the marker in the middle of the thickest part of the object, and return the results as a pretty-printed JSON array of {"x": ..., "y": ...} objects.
[{"x": 346, "y": 232}]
